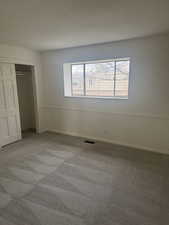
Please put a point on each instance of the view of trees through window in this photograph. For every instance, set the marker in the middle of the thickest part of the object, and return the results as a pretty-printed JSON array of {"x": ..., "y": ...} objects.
[{"x": 104, "y": 79}]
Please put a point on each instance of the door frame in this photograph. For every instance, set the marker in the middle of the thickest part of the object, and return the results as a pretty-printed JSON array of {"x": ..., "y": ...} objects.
[
  {"x": 36, "y": 73},
  {"x": 34, "y": 87},
  {"x": 35, "y": 98}
]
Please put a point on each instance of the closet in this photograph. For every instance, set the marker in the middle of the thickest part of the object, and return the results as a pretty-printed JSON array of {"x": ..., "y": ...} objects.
[
  {"x": 17, "y": 108},
  {"x": 24, "y": 79}
]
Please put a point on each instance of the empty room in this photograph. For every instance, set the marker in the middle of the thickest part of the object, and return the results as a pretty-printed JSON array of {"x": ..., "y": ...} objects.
[{"x": 84, "y": 112}]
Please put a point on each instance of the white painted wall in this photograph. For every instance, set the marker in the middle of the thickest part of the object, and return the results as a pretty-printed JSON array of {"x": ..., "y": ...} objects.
[
  {"x": 141, "y": 121},
  {"x": 19, "y": 55}
]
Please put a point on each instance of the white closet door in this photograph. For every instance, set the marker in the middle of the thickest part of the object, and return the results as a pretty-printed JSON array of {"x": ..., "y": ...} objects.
[{"x": 10, "y": 129}]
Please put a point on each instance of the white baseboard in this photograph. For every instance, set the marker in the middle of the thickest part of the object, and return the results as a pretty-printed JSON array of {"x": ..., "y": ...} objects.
[
  {"x": 109, "y": 141},
  {"x": 42, "y": 130}
]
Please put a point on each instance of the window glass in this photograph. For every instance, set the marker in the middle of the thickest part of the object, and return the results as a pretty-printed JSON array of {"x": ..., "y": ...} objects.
[
  {"x": 99, "y": 79},
  {"x": 77, "y": 80},
  {"x": 122, "y": 78}
]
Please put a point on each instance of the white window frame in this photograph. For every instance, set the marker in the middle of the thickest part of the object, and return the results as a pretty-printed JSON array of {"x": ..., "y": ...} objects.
[{"x": 67, "y": 69}]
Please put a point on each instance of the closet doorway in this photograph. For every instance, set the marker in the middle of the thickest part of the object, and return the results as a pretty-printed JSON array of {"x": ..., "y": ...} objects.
[{"x": 26, "y": 98}]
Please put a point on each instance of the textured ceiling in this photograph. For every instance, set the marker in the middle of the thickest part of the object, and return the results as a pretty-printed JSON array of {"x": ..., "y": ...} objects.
[{"x": 54, "y": 24}]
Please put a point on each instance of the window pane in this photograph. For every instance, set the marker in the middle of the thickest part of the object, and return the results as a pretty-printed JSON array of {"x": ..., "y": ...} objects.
[
  {"x": 77, "y": 80},
  {"x": 100, "y": 79},
  {"x": 122, "y": 78}
]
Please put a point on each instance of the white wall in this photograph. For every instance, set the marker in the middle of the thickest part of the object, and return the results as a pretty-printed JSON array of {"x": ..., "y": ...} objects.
[
  {"x": 19, "y": 55},
  {"x": 141, "y": 121}
]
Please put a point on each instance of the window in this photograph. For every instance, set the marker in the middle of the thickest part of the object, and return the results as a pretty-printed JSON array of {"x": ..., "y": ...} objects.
[{"x": 107, "y": 79}]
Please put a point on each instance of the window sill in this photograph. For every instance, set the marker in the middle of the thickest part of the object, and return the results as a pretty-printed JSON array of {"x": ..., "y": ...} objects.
[{"x": 97, "y": 97}]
